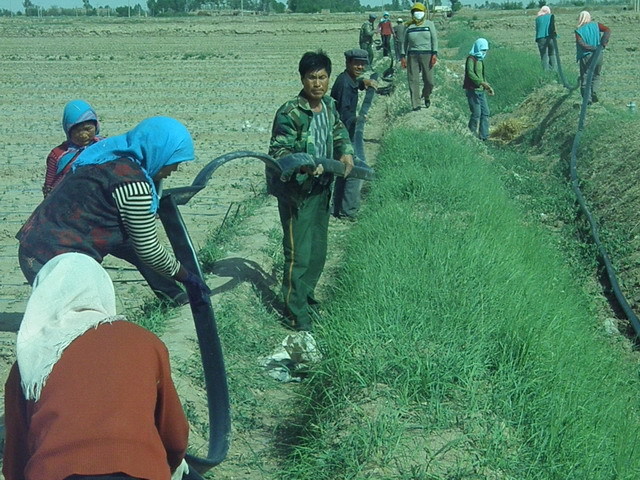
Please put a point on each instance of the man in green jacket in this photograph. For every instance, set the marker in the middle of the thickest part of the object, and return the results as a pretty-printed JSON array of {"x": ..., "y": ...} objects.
[
  {"x": 367, "y": 31},
  {"x": 307, "y": 124}
]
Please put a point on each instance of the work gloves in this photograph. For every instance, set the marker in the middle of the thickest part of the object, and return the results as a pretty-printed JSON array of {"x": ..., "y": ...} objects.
[{"x": 197, "y": 290}]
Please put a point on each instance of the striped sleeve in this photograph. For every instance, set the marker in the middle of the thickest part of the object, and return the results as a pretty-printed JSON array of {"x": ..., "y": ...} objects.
[{"x": 133, "y": 201}]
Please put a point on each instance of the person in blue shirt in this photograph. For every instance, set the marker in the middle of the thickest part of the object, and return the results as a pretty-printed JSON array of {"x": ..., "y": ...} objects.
[{"x": 589, "y": 36}]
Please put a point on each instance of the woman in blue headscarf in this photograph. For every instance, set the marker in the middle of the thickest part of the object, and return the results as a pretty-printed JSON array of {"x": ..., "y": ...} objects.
[
  {"x": 81, "y": 126},
  {"x": 475, "y": 85},
  {"x": 109, "y": 199}
]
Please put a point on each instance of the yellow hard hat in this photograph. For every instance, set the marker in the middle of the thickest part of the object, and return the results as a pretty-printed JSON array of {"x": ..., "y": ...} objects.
[{"x": 419, "y": 6}]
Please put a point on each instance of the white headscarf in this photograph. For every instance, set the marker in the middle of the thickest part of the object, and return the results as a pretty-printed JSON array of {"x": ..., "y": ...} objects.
[
  {"x": 583, "y": 18},
  {"x": 545, "y": 10},
  {"x": 71, "y": 294}
]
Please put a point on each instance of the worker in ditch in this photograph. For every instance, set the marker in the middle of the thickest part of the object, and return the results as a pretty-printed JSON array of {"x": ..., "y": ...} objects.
[
  {"x": 419, "y": 56},
  {"x": 309, "y": 123},
  {"x": 477, "y": 88},
  {"x": 545, "y": 34},
  {"x": 110, "y": 199},
  {"x": 91, "y": 394},
  {"x": 81, "y": 127},
  {"x": 346, "y": 192}
]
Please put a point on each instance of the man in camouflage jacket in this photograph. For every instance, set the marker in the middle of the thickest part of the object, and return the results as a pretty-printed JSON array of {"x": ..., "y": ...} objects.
[
  {"x": 367, "y": 31},
  {"x": 309, "y": 124}
]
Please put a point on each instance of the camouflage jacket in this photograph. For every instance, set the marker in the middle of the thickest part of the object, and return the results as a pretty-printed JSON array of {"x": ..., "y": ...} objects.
[
  {"x": 366, "y": 32},
  {"x": 290, "y": 134}
]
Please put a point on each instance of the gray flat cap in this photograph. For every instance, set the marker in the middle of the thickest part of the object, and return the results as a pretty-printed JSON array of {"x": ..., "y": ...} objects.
[{"x": 357, "y": 54}]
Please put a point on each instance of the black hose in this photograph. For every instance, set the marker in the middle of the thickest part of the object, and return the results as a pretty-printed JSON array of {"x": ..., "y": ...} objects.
[
  {"x": 287, "y": 166},
  {"x": 203, "y": 315},
  {"x": 358, "y": 137},
  {"x": 575, "y": 185},
  {"x": 209, "y": 342},
  {"x": 563, "y": 79}
]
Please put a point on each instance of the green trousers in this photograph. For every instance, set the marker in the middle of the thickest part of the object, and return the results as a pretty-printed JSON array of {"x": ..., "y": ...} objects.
[{"x": 304, "y": 226}]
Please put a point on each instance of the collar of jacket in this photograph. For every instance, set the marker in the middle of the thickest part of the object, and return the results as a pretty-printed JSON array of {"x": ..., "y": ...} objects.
[{"x": 303, "y": 103}]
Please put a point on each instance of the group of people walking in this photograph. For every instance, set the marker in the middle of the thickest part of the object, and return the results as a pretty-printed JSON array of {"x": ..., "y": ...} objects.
[
  {"x": 417, "y": 43},
  {"x": 589, "y": 35}
]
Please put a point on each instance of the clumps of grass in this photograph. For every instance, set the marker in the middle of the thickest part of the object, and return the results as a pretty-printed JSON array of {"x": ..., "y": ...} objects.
[
  {"x": 509, "y": 129},
  {"x": 195, "y": 56},
  {"x": 153, "y": 315}
]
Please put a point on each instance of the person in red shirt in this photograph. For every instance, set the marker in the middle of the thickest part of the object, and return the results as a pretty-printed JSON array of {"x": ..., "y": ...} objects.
[
  {"x": 91, "y": 394},
  {"x": 385, "y": 29}
]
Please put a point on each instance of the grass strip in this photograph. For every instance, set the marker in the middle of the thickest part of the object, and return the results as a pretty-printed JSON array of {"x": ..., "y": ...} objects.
[{"x": 455, "y": 320}]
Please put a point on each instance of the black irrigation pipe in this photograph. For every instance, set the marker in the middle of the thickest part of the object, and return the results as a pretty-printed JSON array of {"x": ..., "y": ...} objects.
[
  {"x": 563, "y": 79},
  {"x": 358, "y": 137},
  {"x": 575, "y": 185},
  {"x": 203, "y": 315}
]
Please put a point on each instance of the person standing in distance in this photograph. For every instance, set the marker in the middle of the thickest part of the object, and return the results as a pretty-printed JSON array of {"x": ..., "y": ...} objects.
[
  {"x": 545, "y": 33},
  {"x": 398, "y": 34},
  {"x": 308, "y": 123},
  {"x": 367, "y": 31},
  {"x": 385, "y": 29},
  {"x": 419, "y": 55}
]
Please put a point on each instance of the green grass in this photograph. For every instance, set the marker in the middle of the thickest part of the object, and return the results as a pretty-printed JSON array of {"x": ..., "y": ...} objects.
[
  {"x": 152, "y": 315},
  {"x": 467, "y": 321},
  {"x": 459, "y": 343}
]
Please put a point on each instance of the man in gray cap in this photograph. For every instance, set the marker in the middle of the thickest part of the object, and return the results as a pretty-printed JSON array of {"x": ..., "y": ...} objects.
[
  {"x": 346, "y": 198},
  {"x": 367, "y": 31}
]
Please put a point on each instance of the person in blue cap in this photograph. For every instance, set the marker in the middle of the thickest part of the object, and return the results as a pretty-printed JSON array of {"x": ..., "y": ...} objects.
[
  {"x": 385, "y": 29},
  {"x": 81, "y": 126},
  {"x": 346, "y": 193}
]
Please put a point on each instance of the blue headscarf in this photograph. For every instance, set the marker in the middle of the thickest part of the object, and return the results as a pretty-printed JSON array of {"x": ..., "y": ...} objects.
[
  {"x": 479, "y": 49},
  {"x": 75, "y": 112},
  {"x": 153, "y": 144}
]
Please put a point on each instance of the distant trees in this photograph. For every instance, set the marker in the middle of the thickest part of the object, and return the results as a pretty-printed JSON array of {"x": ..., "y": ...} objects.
[
  {"x": 166, "y": 6},
  {"x": 313, "y": 6},
  {"x": 135, "y": 11}
]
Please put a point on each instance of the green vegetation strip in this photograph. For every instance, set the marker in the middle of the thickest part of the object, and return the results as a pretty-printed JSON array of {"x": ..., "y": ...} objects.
[{"x": 458, "y": 343}]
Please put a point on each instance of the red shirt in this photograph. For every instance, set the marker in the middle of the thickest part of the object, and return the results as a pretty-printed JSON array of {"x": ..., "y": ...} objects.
[{"x": 108, "y": 406}]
